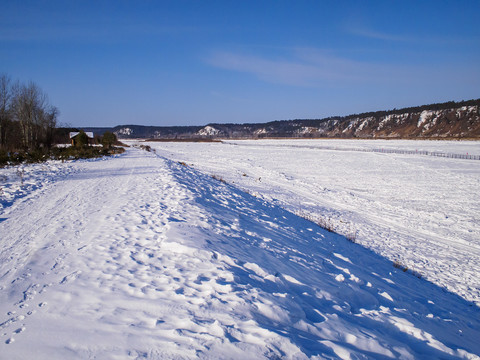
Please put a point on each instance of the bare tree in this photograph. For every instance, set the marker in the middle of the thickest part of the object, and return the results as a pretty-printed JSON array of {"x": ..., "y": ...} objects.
[
  {"x": 49, "y": 125},
  {"x": 36, "y": 117},
  {"x": 5, "y": 100}
]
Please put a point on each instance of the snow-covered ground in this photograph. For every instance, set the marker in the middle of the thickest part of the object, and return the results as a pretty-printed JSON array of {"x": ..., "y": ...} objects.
[
  {"x": 422, "y": 211},
  {"x": 140, "y": 256},
  {"x": 22, "y": 180}
]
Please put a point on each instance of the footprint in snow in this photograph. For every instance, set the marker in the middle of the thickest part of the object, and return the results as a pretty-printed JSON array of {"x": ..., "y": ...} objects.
[
  {"x": 11, "y": 321},
  {"x": 70, "y": 277},
  {"x": 19, "y": 330}
]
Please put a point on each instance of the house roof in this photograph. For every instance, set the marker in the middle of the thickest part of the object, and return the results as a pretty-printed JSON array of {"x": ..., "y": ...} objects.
[{"x": 75, "y": 133}]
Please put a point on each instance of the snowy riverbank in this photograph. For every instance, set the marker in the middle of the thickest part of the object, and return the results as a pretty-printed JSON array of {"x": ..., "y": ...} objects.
[
  {"x": 140, "y": 256},
  {"x": 421, "y": 211}
]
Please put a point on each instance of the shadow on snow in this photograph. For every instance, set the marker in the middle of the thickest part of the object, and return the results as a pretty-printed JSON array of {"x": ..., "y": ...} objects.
[{"x": 321, "y": 287}]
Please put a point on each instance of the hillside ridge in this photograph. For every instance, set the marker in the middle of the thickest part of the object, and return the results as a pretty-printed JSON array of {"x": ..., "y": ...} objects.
[{"x": 449, "y": 120}]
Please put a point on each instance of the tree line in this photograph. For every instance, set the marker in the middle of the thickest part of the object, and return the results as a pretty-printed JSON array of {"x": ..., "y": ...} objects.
[
  {"x": 27, "y": 119},
  {"x": 414, "y": 109}
]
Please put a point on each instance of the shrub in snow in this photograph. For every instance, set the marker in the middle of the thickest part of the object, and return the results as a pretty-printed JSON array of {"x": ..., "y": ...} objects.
[
  {"x": 219, "y": 178},
  {"x": 398, "y": 265}
]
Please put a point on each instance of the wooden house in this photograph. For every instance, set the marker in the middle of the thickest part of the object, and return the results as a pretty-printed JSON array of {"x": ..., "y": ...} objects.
[{"x": 74, "y": 134}]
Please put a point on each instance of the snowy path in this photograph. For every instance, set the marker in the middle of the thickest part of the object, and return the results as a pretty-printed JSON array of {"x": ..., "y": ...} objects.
[{"x": 141, "y": 257}]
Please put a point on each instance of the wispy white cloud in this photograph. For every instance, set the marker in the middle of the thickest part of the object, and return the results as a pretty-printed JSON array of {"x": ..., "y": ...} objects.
[
  {"x": 369, "y": 33},
  {"x": 277, "y": 71},
  {"x": 305, "y": 67},
  {"x": 379, "y": 35}
]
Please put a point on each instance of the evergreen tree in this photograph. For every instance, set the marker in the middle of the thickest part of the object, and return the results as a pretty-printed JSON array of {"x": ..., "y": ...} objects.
[
  {"x": 81, "y": 139},
  {"x": 108, "y": 139}
]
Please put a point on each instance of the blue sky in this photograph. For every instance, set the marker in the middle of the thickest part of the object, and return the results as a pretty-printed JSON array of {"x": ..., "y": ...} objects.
[{"x": 106, "y": 63}]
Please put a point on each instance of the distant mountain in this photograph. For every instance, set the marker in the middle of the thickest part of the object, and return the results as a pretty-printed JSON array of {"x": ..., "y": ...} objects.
[{"x": 438, "y": 121}]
